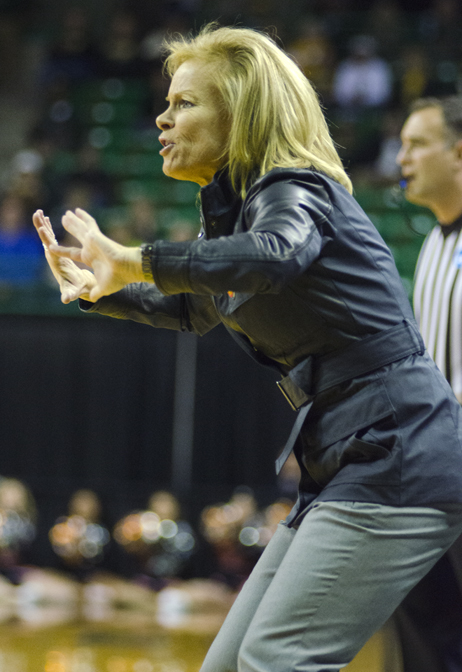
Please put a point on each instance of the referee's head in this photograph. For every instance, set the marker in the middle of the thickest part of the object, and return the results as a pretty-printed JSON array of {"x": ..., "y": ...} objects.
[{"x": 431, "y": 156}]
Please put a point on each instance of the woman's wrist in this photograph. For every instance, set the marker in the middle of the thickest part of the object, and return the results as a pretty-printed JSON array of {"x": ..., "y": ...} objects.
[{"x": 134, "y": 268}]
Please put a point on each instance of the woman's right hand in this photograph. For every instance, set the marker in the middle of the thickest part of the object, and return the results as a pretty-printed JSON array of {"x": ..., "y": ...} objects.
[{"x": 74, "y": 282}]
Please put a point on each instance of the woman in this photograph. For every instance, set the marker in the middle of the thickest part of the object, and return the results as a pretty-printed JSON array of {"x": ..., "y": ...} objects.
[{"x": 297, "y": 273}]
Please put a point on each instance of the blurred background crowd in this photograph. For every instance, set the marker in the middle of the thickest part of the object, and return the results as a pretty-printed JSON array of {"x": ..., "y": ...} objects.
[
  {"x": 81, "y": 84},
  {"x": 151, "y": 559}
]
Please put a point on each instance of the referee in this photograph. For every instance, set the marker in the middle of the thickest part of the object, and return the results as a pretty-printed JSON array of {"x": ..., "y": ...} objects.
[{"x": 430, "y": 619}]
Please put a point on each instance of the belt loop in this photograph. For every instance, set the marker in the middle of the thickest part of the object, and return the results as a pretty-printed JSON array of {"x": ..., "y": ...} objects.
[
  {"x": 282, "y": 459},
  {"x": 416, "y": 335}
]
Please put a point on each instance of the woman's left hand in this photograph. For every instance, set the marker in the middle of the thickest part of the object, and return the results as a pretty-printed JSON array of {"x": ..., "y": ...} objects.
[{"x": 114, "y": 265}]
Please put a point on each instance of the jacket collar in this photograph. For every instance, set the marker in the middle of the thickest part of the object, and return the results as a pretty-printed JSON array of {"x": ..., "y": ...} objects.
[{"x": 220, "y": 206}]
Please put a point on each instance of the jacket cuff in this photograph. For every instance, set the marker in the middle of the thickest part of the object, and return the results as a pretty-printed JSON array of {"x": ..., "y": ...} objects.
[{"x": 170, "y": 266}]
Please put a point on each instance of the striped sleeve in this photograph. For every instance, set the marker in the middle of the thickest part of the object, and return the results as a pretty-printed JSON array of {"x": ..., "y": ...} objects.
[{"x": 438, "y": 301}]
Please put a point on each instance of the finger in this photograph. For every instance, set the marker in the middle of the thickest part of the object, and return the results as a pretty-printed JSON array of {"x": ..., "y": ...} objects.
[
  {"x": 95, "y": 294},
  {"x": 83, "y": 214},
  {"x": 75, "y": 225},
  {"x": 74, "y": 253},
  {"x": 46, "y": 237},
  {"x": 38, "y": 219},
  {"x": 68, "y": 294},
  {"x": 43, "y": 227},
  {"x": 49, "y": 227}
]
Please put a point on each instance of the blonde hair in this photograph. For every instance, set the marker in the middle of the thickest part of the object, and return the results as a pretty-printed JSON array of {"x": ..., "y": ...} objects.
[{"x": 276, "y": 118}]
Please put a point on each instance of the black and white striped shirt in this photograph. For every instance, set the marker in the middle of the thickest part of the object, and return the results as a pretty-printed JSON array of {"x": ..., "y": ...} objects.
[{"x": 438, "y": 299}]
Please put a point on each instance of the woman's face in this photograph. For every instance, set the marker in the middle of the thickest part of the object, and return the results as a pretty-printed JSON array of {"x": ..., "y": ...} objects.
[{"x": 194, "y": 126}]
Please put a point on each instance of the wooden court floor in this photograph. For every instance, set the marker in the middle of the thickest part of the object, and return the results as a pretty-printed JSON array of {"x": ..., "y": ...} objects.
[{"x": 132, "y": 644}]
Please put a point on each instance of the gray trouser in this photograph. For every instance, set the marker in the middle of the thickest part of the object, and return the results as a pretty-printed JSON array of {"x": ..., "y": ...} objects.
[{"x": 318, "y": 593}]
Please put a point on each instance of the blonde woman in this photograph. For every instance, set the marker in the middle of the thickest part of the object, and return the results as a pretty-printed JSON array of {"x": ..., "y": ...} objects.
[{"x": 291, "y": 265}]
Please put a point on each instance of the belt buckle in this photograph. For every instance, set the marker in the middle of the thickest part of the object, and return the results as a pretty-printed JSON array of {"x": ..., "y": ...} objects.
[
  {"x": 295, "y": 396},
  {"x": 286, "y": 396}
]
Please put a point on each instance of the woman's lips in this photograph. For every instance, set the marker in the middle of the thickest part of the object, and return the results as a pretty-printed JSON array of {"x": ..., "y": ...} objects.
[{"x": 166, "y": 148}]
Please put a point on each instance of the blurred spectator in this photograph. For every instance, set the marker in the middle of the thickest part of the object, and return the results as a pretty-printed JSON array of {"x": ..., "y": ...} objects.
[
  {"x": 385, "y": 167},
  {"x": 75, "y": 195},
  {"x": 238, "y": 531},
  {"x": 143, "y": 220},
  {"x": 57, "y": 118},
  {"x": 79, "y": 539},
  {"x": 336, "y": 15},
  {"x": 440, "y": 29},
  {"x": 120, "y": 50},
  {"x": 73, "y": 57},
  {"x": 136, "y": 222},
  {"x": 158, "y": 539},
  {"x": 363, "y": 79},
  {"x": 21, "y": 254},
  {"x": 10, "y": 45},
  {"x": 151, "y": 46},
  {"x": 315, "y": 54},
  {"x": 181, "y": 229},
  {"x": 387, "y": 23},
  {"x": 18, "y": 516},
  {"x": 116, "y": 226},
  {"x": 26, "y": 179},
  {"x": 414, "y": 74},
  {"x": 262, "y": 13},
  {"x": 158, "y": 89},
  {"x": 89, "y": 175},
  {"x": 221, "y": 526},
  {"x": 35, "y": 172}
]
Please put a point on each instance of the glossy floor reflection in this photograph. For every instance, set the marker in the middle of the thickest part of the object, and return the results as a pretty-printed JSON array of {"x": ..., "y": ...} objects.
[
  {"x": 112, "y": 626},
  {"x": 109, "y": 647},
  {"x": 127, "y": 644}
]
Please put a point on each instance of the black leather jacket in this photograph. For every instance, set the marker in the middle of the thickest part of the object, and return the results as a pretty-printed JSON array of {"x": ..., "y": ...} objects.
[
  {"x": 298, "y": 267},
  {"x": 299, "y": 272}
]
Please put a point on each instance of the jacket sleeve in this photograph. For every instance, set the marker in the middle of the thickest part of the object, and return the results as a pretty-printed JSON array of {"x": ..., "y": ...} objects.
[
  {"x": 143, "y": 302},
  {"x": 283, "y": 237}
]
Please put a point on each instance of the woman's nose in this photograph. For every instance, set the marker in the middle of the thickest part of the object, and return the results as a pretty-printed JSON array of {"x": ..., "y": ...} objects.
[{"x": 164, "y": 122}]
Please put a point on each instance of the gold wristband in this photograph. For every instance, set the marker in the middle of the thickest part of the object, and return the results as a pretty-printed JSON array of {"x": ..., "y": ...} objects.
[{"x": 146, "y": 251}]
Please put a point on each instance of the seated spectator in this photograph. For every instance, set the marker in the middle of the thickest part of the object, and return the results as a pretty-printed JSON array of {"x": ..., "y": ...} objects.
[
  {"x": 159, "y": 541},
  {"x": 138, "y": 221},
  {"x": 385, "y": 166},
  {"x": 414, "y": 74},
  {"x": 18, "y": 516},
  {"x": 182, "y": 229},
  {"x": 221, "y": 525},
  {"x": 440, "y": 30},
  {"x": 386, "y": 22},
  {"x": 120, "y": 51},
  {"x": 21, "y": 255},
  {"x": 143, "y": 220},
  {"x": 151, "y": 46},
  {"x": 363, "y": 79},
  {"x": 72, "y": 58},
  {"x": 89, "y": 174},
  {"x": 315, "y": 54},
  {"x": 79, "y": 538}
]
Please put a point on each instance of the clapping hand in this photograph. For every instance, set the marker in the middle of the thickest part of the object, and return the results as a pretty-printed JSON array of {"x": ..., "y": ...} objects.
[
  {"x": 114, "y": 266},
  {"x": 74, "y": 282}
]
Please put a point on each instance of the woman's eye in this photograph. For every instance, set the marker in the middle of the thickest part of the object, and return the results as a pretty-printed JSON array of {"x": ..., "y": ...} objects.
[{"x": 185, "y": 103}]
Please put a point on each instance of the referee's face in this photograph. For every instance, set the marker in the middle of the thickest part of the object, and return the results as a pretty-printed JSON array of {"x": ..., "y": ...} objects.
[{"x": 429, "y": 162}]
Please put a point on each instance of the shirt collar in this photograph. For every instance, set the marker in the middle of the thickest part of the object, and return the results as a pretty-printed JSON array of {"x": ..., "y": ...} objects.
[{"x": 447, "y": 229}]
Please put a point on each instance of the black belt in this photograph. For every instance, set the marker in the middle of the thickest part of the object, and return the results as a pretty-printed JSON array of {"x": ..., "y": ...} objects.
[{"x": 317, "y": 374}]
